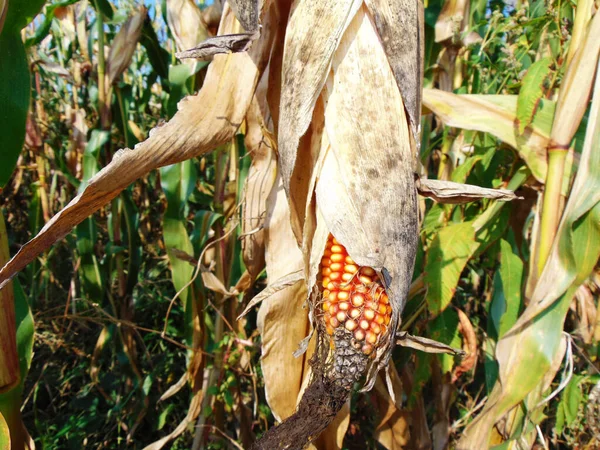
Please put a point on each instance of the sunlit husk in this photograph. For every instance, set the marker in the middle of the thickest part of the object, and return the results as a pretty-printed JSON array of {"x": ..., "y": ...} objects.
[
  {"x": 123, "y": 45},
  {"x": 355, "y": 160},
  {"x": 186, "y": 23}
]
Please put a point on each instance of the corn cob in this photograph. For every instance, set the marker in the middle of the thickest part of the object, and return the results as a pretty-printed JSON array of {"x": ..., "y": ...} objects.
[{"x": 354, "y": 308}]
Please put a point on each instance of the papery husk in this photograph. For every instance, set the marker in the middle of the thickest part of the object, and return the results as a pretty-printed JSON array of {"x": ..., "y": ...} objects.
[
  {"x": 365, "y": 190},
  {"x": 186, "y": 23},
  {"x": 261, "y": 177},
  {"x": 123, "y": 45},
  {"x": 348, "y": 171}
]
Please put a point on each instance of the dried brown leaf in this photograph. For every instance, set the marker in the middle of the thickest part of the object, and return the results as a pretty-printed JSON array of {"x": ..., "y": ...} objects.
[
  {"x": 202, "y": 123},
  {"x": 470, "y": 348},
  {"x": 425, "y": 344},
  {"x": 124, "y": 45},
  {"x": 228, "y": 43},
  {"x": 186, "y": 24},
  {"x": 450, "y": 192}
]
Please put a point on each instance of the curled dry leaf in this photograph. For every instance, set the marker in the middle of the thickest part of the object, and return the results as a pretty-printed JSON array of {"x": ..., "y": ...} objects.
[
  {"x": 425, "y": 344},
  {"x": 282, "y": 320},
  {"x": 202, "y": 123},
  {"x": 470, "y": 348},
  {"x": 123, "y": 45},
  {"x": 392, "y": 429},
  {"x": 450, "y": 192},
  {"x": 229, "y": 43}
]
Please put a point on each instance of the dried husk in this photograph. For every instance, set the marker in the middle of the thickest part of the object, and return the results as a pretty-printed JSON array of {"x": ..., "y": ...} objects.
[
  {"x": 261, "y": 177},
  {"x": 186, "y": 23},
  {"x": 123, "y": 45},
  {"x": 342, "y": 168}
]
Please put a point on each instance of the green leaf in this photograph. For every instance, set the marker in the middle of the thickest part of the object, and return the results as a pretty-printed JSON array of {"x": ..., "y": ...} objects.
[
  {"x": 25, "y": 329},
  {"x": 507, "y": 301},
  {"x": 158, "y": 56},
  {"x": 444, "y": 329},
  {"x": 534, "y": 340},
  {"x": 449, "y": 253},
  {"x": 178, "y": 79},
  {"x": 4, "y": 434},
  {"x": 571, "y": 400},
  {"x": 98, "y": 139},
  {"x": 104, "y": 7},
  {"x": 178, "y": 181},
  {"x": 460, "y": 174},
  {"x": 20, "y": 13},
  {"x": 14, "y": 92},
  {"x": 531, "y": 92}
]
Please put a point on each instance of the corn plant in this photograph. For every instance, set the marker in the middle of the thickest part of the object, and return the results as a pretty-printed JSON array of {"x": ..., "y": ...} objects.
[{"x": 430, "y": 254}]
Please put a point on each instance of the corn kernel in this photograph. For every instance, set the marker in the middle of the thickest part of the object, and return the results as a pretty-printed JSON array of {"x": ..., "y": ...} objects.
[
  {"x": 347, "y": 276},
  {"x": 359, "y": 335},
  {"x": 369, "y": 314},
  {"x": 365, "y": 279},
  {"x": 336, "y": 248},
  {"x": 354, "y": 313},
  {"x": 350, "y": 325},
  {"x": 344, "y": 306},
  {"x": 358, "y": 299},
  {"x": 343, "y": 295},
  {"x": 368, "y": 271},
  {"x": 364, "y": 324},
  {"x": 336, "y": 257},
  {"x": 371, "y": 337},
  {"x": 350, "y": 268},
  {"x": 336, "y": 267},
  {"x": 341, "y": 316}
]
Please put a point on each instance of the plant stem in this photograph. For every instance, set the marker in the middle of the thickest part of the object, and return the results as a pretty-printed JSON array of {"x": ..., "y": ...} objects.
[{"x": 552, "y": 203}]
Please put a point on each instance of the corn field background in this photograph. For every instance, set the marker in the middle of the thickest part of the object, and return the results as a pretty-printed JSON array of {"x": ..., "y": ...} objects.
[{"x": 166, "y": 204}]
